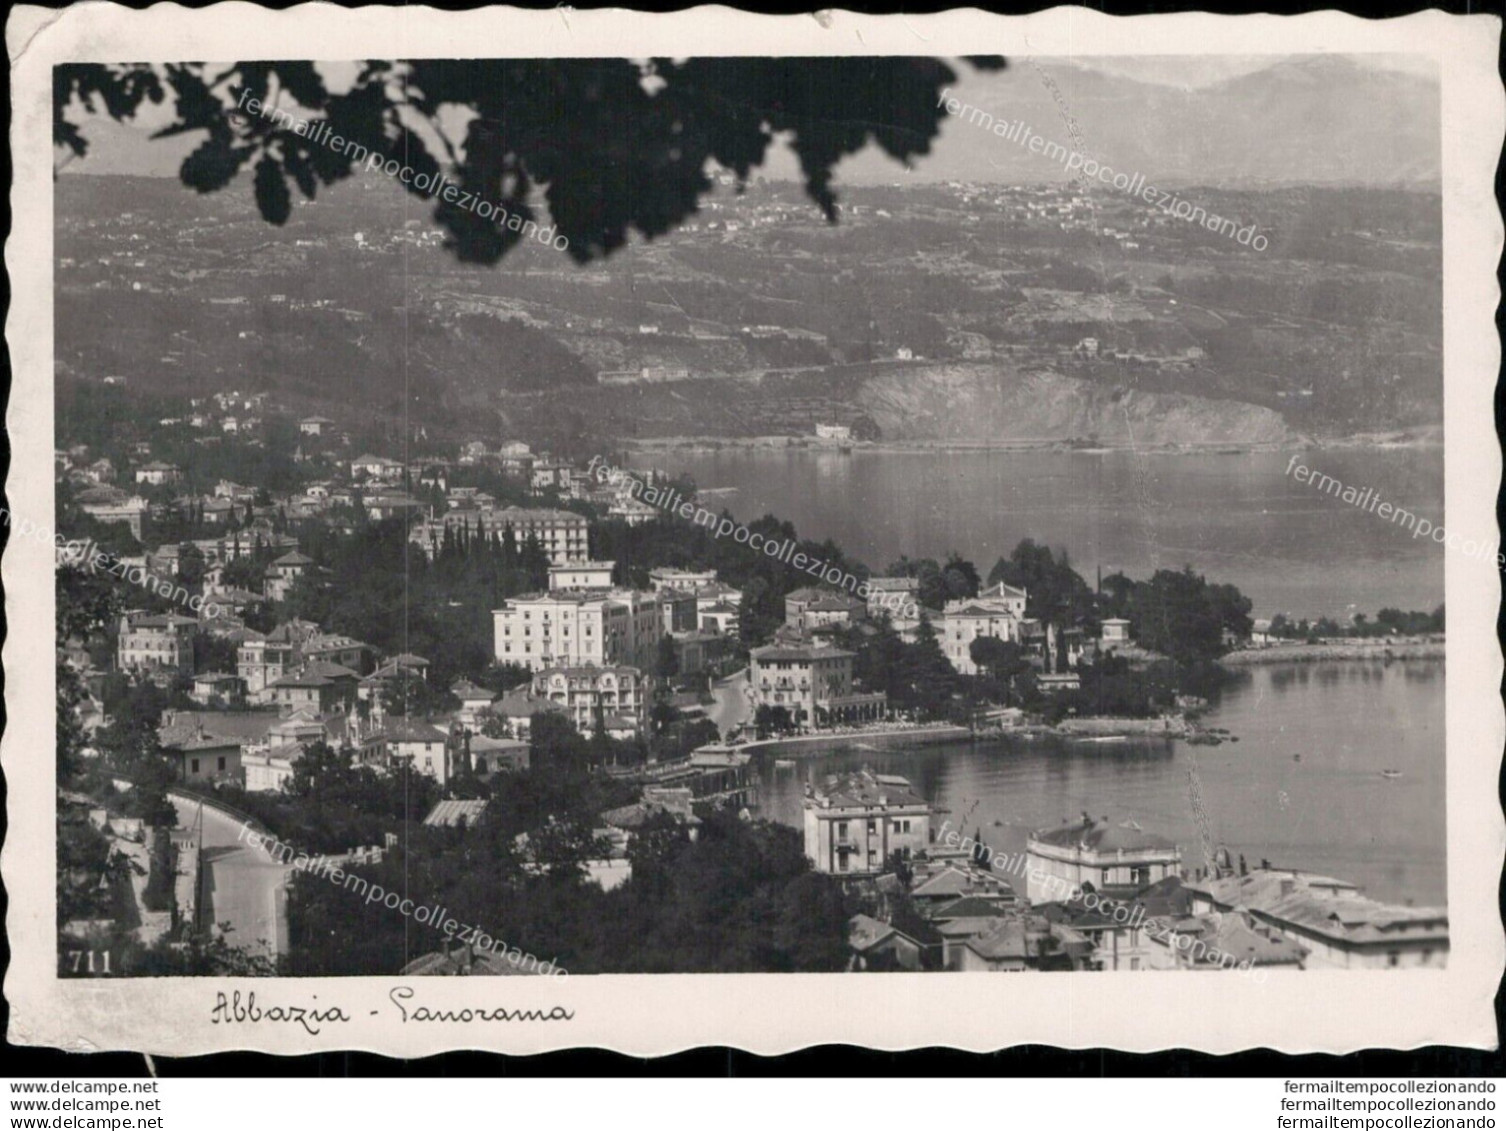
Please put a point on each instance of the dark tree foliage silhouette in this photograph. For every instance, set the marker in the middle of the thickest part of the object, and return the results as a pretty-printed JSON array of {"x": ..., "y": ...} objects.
[{"x": 612, "y": 144}]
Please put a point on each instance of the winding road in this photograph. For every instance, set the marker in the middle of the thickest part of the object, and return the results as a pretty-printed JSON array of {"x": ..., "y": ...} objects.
[
  {"x": 242, "y": 886},
  {"x": 731, "y": 702}
]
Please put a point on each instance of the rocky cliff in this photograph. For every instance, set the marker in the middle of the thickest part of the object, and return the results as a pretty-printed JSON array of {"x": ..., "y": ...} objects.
[{"x": 985, "y": 403}]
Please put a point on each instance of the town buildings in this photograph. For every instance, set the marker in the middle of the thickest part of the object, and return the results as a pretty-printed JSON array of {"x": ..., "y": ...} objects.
[
  {"x": 578, "y": 626},
  {"x": 899, "y": 597},
  {"x": 269, "y": 764},
  {"x": 418, "y": 744},
  {"x": 581, "y": 575},
  {"x": 156, "y": 643},
  {"x": 998, "y": 611},
  {"x": 1338, "y": 926},
  {"x": 318, "y": 686},
  {"x": 110, "y": 504},
  {"x": 560, "y": 534},
  {"x": 284, "y": 573},
  {"x": 811, "y": 681},
  {"x": 1097, "y": 854},
  {"x": 615, "y": 697},
  {"x": 689, "y": 580},
  {"x": 855, "y": 824},
  {"x": 157, "y": 473}
]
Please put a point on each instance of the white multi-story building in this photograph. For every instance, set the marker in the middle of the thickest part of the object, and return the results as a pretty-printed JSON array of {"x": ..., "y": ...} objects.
[
  {"x": 570, "y": 627},
  {"x": 998, "y": 611},
  {"x": 562, "y": 535},
  {"x": 812, "y": 682},
  {"x": 581, "y": 575},
  {"x": 854, "y": 825},
  {"x": 156, "y": 643},
  {"x": 617, "y": 695},
  {"x": 690, "y": 580},
  {"x": 1097, "y": 854},
  {"x": 897, "y": 596}
]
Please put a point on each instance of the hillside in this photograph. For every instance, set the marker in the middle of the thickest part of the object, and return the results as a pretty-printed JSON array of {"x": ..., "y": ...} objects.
[
  {"x": 918, "y": 403},
  {"x": 986, "y": 403}
]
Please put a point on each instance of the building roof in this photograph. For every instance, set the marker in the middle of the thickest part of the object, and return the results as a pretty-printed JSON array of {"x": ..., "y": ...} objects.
[
  {"x": 673, "y": 803},
  {"x": 865, "y": 932},
  {"x": 466, "y": 960},
  {"x": 332, "y": 642},
  {"x": 798, "y": 653},
  {"x": 893, "y": 584},
  {"x": 1001, "y": 590},
  {"x": 520, "y": 704},
  {"x": 866, "y": 790},
  {"x": 1007, "y": 940},
  {"x": 225, "y": 727},
  {"x": 485, "y": 744},
  {"x": 1103, "y": 836},
  {"x": 465, "y": 689},
  {"x": 1303, "y": 901},
  {"x": 451, "y": 814},
  {"x": 835, "y": 603},
  {"x": 539, "y": 514},
  {"x": 974, "y": 611},
  {"x": 1245, "y": 940},
  {"x": 317, "y": 673},
  {"x": 410, "y": 730},
  {"x": 952, "y": 882},
  {"x": 807, "y": 593},
  {"x": 590, "y": 670},
  {"x": 293, "y": 557},
  {"x": 972, "y": 906},
  {"x": 165, "y": 620}
]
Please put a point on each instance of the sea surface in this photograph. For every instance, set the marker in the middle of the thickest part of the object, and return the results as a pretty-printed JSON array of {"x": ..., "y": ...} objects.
[
  {"x": 1301, "y": 788},
  {"x": 1237, "y": 518}
]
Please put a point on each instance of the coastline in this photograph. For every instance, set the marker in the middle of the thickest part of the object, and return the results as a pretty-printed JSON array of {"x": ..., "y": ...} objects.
[
  {"x": 706, "y": 445},
  {"x": 1411, "y": 648}
]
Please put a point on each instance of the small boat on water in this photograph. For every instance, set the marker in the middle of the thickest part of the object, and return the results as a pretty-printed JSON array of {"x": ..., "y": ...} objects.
[
  {"x": 1296, "y": 757},
  {"x": 1107, "y": 738},
  {"x": 1391, "y": 775},
  {"x": 784, "y": 763}
]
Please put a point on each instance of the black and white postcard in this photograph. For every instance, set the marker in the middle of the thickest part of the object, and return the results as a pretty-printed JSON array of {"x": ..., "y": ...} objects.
[{"x": 724, "y": 529}]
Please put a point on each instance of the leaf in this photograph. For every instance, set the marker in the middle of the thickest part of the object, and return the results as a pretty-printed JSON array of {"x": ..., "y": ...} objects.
[
  {"x": 272, "y": 196},
  {"x": 211, "y": 166},
  {"x": 298, "y": 166}
]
